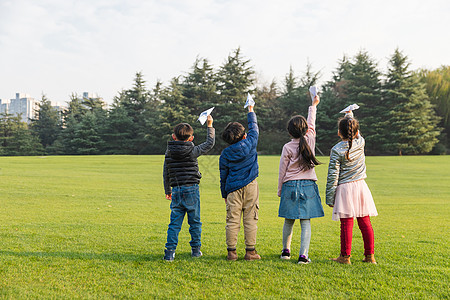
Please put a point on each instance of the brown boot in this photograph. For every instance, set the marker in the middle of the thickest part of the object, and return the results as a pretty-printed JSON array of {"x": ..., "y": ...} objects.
[
  {"x": 370, "y": 259},
  {"x": 342, "y": 259},
  {"x": 232, "y": 255},
  {"x": 251, "y": 254}
]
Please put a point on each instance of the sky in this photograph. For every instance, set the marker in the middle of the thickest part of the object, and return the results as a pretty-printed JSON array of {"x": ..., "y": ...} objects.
[{"x": 57, "y": 48}]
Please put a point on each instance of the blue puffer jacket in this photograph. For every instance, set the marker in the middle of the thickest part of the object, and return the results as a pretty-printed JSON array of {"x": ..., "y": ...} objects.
[{"x": 238, "y": 163}]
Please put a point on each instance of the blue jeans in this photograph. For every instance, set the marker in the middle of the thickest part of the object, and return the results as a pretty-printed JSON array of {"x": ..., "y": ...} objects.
[{"x": 185, "y": 200}]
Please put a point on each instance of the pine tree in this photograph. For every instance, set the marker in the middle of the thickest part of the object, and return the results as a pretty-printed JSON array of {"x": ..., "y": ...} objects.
[
  {"x": 437, "y": 83},
  {"x": 16, "y": 138},
  {"x": 199, "y": 86},
  {"x": 235, "y": 78},
  {"x": 412, "y": 123},
  {"x": 271, "y": 119},
  {"x": 174, "y": 110},
  {"x": 47, "y": 124},
  {"x": 359, "y": 82},
  {"x": 199, "y": 92},
  {"x": 136, "y": 102},
  {"x": 87, "y": 138},
  {"x": 297, "y": 99}
]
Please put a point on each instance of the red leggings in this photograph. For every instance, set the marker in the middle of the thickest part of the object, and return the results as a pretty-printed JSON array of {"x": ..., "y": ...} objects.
[{"x": 347, "y": 231}]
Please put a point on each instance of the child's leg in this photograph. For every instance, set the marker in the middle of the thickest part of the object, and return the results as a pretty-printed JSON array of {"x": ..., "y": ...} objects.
[
  {"x": 367, "y": 233},
  {"x": 306, "y": 236},
  {"x": 287, "y": 233},
  {"x": 192, "y": 203},
  {"x": 234, "y": 212},
  {"x": 176, "y": 220},
  {"x": 346, "y": 236},
  {"x": 250, "y": 208}
]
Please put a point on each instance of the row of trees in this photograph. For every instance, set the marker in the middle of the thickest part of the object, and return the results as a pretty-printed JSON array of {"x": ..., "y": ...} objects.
[{"x": 402, "y": 112}]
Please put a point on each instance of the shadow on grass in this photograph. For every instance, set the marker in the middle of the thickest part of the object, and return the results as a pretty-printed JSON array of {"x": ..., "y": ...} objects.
[{"x": 142, "y": 258}]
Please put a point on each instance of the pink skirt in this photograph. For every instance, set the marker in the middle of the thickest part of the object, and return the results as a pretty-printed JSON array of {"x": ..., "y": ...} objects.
[{"x": 353, "y": 200}]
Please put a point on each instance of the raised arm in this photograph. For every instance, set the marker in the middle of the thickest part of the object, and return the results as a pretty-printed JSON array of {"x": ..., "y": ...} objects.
[
  {"x": 253, "y": 130},
  {"x": 311, "y": 120},
  {"x": 210, "y": 140}
]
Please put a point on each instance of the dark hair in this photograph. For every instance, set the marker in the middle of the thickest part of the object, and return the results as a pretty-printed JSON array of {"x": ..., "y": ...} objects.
[
  {"x": 297, "y": 128},
  {"x": 233, "y": 133},
  {"x": 183, "y": 131},
  {"x": 348, "y": 127}
]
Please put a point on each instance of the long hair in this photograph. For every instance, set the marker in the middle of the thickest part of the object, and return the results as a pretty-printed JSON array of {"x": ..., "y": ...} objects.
[
  {"x": 297, "y": 128},
  {"x": 348, "y": 127}
]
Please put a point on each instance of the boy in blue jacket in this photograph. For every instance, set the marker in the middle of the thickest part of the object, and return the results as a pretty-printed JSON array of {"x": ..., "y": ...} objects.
[{"x": 238, "y": 165}]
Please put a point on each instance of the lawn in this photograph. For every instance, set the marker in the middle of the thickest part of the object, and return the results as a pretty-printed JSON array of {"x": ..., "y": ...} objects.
[{"x": 95, "y": 227}]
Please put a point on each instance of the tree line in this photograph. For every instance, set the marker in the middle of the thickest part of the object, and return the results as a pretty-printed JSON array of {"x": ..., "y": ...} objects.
[{"x": 401, "y": 111}]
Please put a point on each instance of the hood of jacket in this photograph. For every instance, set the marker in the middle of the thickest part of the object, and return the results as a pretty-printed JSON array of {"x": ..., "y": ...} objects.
[{"x": 179, "y": 149}]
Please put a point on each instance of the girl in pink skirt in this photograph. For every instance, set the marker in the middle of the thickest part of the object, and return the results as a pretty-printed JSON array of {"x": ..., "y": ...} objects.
[{"x": 347, "y": 192}]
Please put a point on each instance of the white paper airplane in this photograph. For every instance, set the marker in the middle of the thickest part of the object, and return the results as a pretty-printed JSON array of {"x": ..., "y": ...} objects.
[
  {"x": 313, "y": 90},
  {"x": 204, "y": 115},
  {"x": 349, "y": 108},
  {"x": 249, "y": 101}
]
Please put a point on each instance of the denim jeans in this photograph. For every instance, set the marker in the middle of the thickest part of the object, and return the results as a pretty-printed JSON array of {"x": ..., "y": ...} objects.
[{"x": 185, "y": 200}]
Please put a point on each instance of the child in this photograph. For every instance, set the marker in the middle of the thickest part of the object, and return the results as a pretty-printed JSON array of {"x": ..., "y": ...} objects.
[
  {"x": 297, "y": 182},
  {"x": 347, "y": 192},
  {"x": 181, "y": 179},
  {"x": 238, "y": 165}
]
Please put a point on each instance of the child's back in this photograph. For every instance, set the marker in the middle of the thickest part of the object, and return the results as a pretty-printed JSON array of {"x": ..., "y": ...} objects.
[
  {"x": 347, "y": 191},
  {"x": 181, "y": 178},
  {"x": 239, "y": 161},
  {"x": 238, "y": 166},
  {"x": 297, "y": 188}
]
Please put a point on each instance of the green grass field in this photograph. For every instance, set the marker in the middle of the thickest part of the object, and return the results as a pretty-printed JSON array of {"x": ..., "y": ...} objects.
[{"x": 95, "y": 227}]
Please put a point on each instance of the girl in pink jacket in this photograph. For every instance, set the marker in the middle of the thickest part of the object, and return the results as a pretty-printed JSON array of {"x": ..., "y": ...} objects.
[{"x": 297, "y": 182}]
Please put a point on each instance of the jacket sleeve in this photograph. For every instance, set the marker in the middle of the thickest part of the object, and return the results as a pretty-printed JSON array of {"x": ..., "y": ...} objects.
[
  {"x": 207, "y": 145},
  {"x": 333, "y": 177},
  {"x": 311, "y": 121},
  {"x": 223, "y": 168},
  {"x": 284, "y": 159},
  {"x": 253, "y": 130},
  {"x": 167, "y": 188}
]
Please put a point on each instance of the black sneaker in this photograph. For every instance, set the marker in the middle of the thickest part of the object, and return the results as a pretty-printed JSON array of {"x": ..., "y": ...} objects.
[
  {"x": 285, "y": 254},
  {"x": 195, "y": 252},
  {"x": 169, "y": 255},
  {"x": 303, "y": 260}
]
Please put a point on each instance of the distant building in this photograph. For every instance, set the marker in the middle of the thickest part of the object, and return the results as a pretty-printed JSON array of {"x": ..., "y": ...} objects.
[
  {"x": 88, "y": 95},
  {"x": 22, "y": 105},
  {"x": 4, "y": 106}
]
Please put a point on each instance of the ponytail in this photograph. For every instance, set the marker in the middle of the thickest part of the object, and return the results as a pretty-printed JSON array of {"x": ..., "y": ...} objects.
[
  {"x": 350, "y": 137},
  {"x": 297, "y": 128},
  {"x": 348, "y": 127}
]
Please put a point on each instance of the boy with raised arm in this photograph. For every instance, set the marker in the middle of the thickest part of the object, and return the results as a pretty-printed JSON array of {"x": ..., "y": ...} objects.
[
  {"x": 181, "y": 178},
  {"x": 238, "y": 165}
]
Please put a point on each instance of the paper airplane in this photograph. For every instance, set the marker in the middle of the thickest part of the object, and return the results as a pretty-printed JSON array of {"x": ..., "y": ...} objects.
[
  {"x": 204, "y": 115},
  {"x": 349, "y": 108},
  {"x": 249, "y": 101},
  {"x": 313, "y": 90}
]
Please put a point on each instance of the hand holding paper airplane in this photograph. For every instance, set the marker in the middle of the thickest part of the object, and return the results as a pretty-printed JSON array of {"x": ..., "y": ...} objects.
[
  {"x": 350, "y": 108},
  {"x": 250, "y": 101},
  {"x": 204, "y": 115},
  {"x": 314, "y": 92}
]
